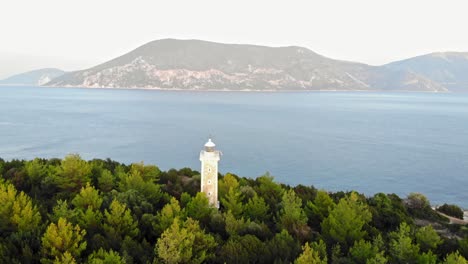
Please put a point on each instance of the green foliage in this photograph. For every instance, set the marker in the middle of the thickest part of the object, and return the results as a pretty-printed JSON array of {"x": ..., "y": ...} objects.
[
  {"x": 105, "y": 257},
  {"x": 166, "y": 216},
  {"x": 402, "y": 248},
  {"x": 119, "y": 223},
  {"x": 418, "y": 205},
  {"x": 242, "y": 249},
  {"x": 88, "y": 198},
  {"x": 282, "y": 248},
  {"x": 226, "y": 183},
  {"x": 149, "y": 173},
  {"x": 175, "y": 244},
  {"x": 427, "y": 258},
  {"x": 256, "y": 209},
  {"x": 269, "y": 190},
  {"x": 345, "y": 223},
  {"x": 451, "y": 210},
  {"x": 320, "y": 208},
  {"x": 455, "y": 258},
  {"x": 17, "y": 213},
  {"x": 185, "y": 243},
  {"x": 238, "y": 227},
  {"x": 363, "y": 250},
  {"x": 427, "y": 238},
  {"x": 388, "y": 212},
  {"x": 291, "y": 216},
  {"x": 309, "y": 256},
  {"x": 141, "y": 183},
  {"x": 36, "y": 170},
  {"x": 72, "y": 174},
  {"x": 101, "y": 211},
  {"x": 62, "y": 242},
  {"x": 233, "y": 201},
  {"x": 199, "y": 208},
  {"x": 378, "y": 259},
  {"x": 463, "y": 245},
  {"x": 106, "y": 181}
]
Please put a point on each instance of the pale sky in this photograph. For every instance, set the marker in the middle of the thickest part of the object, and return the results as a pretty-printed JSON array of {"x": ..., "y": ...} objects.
[{"x": 76, "y": 34}]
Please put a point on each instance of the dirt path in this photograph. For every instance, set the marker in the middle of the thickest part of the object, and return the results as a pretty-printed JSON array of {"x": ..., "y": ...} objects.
[{"x": 454, "y": 220}]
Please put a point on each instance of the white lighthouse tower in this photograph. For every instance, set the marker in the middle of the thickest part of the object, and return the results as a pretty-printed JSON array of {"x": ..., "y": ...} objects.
[{"x": 209, "y": 158}]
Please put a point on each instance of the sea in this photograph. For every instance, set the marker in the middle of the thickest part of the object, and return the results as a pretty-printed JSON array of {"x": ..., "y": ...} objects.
[{"x": 370, "y": 142}]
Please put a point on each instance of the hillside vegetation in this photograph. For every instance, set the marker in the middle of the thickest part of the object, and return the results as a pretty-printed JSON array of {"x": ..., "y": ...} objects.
[{"x": 101, "y": 211}]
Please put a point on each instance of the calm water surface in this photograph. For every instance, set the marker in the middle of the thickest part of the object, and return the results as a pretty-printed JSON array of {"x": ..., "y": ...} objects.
[{"x": 370, "y": 142}]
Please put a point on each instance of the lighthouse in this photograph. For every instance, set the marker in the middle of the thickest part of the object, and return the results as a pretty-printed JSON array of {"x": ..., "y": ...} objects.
[{"x": 209, "y": 158}]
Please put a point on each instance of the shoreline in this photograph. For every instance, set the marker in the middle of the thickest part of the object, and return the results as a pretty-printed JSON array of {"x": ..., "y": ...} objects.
[{"x": 225, "y": 90}]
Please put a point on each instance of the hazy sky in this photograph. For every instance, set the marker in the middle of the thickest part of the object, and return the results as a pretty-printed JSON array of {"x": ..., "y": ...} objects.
[{"x": 75, "y": 34}]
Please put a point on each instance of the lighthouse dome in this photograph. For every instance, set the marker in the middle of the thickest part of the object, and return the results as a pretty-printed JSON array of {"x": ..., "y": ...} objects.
[{"x": 210, "y": 145}]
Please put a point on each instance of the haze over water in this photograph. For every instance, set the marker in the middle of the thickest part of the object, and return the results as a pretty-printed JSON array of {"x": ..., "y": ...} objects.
[{"x": 369, "y": 142}]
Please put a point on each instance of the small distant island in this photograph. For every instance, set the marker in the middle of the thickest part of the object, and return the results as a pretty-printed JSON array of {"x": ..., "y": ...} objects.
[
  {"x": 101, "y": 211},
  {"x": 196, "y": 65}
]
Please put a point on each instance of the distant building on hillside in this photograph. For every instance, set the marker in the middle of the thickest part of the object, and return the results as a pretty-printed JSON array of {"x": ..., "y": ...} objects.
[{"x": 209, "y": 158}]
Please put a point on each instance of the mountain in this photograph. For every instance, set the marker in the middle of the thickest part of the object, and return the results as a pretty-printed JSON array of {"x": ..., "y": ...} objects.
[
  {"x": 36, "y": 77},
  {"x": 449, "y": 69},
  {"x": 203, "y": 65}
]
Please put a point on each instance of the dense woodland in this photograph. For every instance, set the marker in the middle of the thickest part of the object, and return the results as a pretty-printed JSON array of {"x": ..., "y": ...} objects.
[{"x": 102, "y": 211}]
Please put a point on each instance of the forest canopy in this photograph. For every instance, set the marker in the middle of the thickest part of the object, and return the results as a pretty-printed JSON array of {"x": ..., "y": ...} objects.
[{"x": 101, "y": 211}]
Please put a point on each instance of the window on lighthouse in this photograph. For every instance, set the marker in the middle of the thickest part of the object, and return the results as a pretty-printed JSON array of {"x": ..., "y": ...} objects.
[
  {"x": 209, "y": 194},
  {"x": 209, "y": 181},
  {"x": 209, "y": 169}
]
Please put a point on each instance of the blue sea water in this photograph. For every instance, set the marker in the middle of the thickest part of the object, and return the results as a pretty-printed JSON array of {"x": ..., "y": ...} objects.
[{"x": 369, "y": 142}]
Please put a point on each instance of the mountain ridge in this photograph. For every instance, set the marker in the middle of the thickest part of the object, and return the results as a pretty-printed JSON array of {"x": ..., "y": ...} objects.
[
  {"x": 34, "y": 77},
  {"x": 204, "y": 65},
  {"x": 449, "y": 69}
]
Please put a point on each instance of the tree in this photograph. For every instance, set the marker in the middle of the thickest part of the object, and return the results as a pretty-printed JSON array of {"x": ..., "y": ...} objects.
[
  {"x": 320, "y": 208},
  {"x": 72, "y": 174},
  {"x": 455, "y": 258},
  {"x": 88, "y": 198},
  {"x": 234, "y": 226},
  {"x": 119, "y": 223},
  {"x": 451, "y": 210},
  {"x": 269, "y": 190},
  {"x": 363, "y": 250},
  {"x": 243, "y": 249},
  {"x": 256, "y": 209},
  {"x": 105, "y": 257},
  {"x": 226, "y": 183},
  {"x": 199, "y": 208},
  {"x": 378, "y": 259},
  {"x": 144, "y": 185},
  {"x": 427, "y": 258},
  {"x": 106, "y": 181},
  {"x": 62, "y": 210},
  {"x": 233, "y": 201},
  {"x": 388, "y": 212},
  {"x": 62, "y": 241},
  {"x": 203, "y": 244},
  {"x": 166, "y": 216},
  {"x": 309, "y": 256},
  {"x": 418, "y": 201},
  {"x": 149, "y": 173},
  {"x": 418, "y": 205},
  {"x": 345, "y": 223},
  {"x": 36, "y": 170},
  {"x": 463, "y": 246},
  {"x": 428, "y": 238},
  {"x": 17, "y": 213},
  {"x": 402, "y": 248},
  {"x": 291, "y": 216},
  {"x": 185, "y": 243},
  {"x": 282, "y": 248}
]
